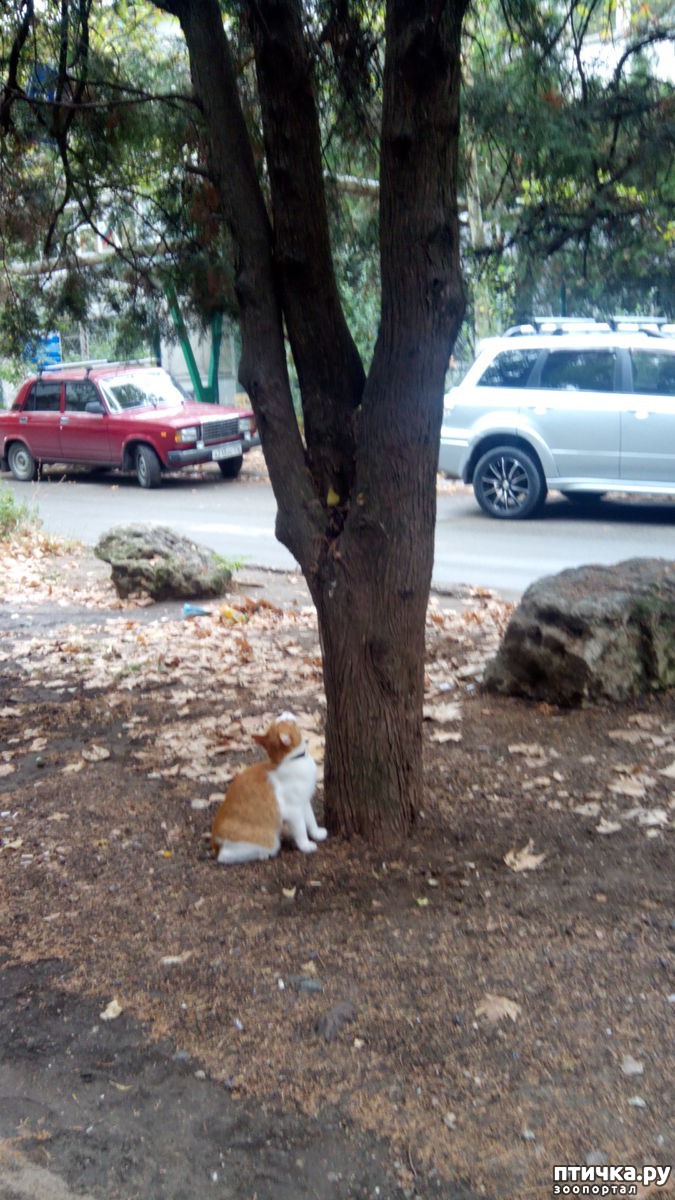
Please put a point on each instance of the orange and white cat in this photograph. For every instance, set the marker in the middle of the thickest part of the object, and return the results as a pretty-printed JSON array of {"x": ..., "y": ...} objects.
[{"x": 268, "y": 799}]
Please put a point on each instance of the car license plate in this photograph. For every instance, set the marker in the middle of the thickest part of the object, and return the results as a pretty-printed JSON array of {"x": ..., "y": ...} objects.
[{"x": 229, "y": 450}]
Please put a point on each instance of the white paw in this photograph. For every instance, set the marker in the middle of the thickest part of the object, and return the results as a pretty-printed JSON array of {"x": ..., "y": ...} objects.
[
  {"x": 307, "y": 847},
  {"x": 320, "y": 834}
]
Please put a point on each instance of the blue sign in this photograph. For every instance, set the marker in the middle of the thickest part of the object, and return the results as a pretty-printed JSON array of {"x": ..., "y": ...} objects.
[{"x": 46, "y": 352}]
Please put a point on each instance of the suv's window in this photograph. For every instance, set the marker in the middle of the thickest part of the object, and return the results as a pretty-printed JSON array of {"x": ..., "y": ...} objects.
[
  {"x": 511, "y": 368},
  {"x": 579, "y": 371},
  {"x": 79, "y": 392},
  {"x": 43, "y": 397},
  {"x": 653, "y": 372}
]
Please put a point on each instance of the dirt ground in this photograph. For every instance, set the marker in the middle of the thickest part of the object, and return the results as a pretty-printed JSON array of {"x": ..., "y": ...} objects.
[{"x": 452, "y": 1020}]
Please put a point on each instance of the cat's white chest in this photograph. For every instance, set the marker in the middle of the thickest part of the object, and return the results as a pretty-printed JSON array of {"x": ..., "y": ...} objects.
[{"x": 294, "y": 783}]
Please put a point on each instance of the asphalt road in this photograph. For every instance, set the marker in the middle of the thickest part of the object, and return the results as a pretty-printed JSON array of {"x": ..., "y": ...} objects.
[{"x": 237, "y": 520}]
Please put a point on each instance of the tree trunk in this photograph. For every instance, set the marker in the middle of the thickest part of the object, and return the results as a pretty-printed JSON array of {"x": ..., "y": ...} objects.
[
  {"x": 357, "y": 505},
  {"x": 371, "y": 607}
]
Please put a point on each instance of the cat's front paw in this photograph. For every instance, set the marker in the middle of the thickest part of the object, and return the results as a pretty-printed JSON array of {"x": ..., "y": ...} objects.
[
  {"x": 307, "y": 847},
  {"x": 320, "y": 834}
]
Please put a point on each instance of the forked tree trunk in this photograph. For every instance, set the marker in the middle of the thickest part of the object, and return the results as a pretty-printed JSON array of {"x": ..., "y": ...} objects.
[{"x": 357, "y": 502}]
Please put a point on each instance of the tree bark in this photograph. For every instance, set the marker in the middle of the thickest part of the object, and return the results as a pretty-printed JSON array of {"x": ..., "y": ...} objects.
[{"x": 357, "y": 504}]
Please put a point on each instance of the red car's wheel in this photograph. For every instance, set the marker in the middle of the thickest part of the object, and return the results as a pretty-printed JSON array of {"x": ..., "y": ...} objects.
[
  {"x": 148, "y": 467},
  {"x": 21, "y": 462}
]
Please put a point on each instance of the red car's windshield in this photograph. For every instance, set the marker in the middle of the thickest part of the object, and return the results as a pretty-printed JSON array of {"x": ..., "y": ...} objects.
[{"x": 141, "y": 389}]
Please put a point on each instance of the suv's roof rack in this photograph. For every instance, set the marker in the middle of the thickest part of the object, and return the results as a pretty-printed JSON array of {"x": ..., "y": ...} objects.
[
  {"x": 637, "y": 324},
  {"x": 560, "y": 325},
  {"x": 557, "y": 325}
]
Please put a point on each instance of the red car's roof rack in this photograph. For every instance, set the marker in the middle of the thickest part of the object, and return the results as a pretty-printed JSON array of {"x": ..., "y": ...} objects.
[{"x": 90, "y": 363}]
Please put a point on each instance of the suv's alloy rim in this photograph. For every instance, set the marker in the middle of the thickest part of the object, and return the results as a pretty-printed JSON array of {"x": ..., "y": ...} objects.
[{"x": 505, "y": 484}]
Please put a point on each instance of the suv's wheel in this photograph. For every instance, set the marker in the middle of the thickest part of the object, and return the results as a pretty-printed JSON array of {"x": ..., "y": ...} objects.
[
  {"x": 508, "y": 484},
  {"x": 148, "y": 467},
  {"x": 230, "y": 467},
  {"x": 21, "y": 462}
]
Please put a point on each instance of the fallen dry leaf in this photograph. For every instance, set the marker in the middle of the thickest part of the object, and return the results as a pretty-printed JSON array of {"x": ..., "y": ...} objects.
[
  {"x": 445, "y": 735},
  {"x": 525, "y": 859},
  {"x": 95, "y": 753},
  {"x": 73, "y": 768},
  {"x": 496, "y": 1008},
  {"x": 590, "y": 809},
  {"x": 443, "y": 712},
  {"x": 607, "y": 827},
  {"x": 532, "y": 750},
  {"x": 16, "y": 844},
  {"x": 650, "y": 817},
  {"x": 635, "y": 788},
  {"x": 111, "y": 1011}
]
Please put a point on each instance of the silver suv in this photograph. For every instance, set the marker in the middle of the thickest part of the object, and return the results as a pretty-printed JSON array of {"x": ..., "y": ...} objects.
[{"x": 585, "y": 407}]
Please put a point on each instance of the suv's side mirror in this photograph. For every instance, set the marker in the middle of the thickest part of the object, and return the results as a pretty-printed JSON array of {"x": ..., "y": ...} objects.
[{"x": 94, "y": 406}]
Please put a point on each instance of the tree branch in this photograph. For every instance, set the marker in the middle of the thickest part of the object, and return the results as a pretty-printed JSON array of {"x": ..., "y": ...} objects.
[
  {"x": 636, "y": 47},
  {"x": 263, "y": 369},
  {"x": 331, "y": 383},
  {"x": 419, "y": 242},
  {"x": 11, "y": 88}
]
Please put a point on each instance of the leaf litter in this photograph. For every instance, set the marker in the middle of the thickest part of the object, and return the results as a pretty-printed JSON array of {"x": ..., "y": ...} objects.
[{"x": 527, "y": 898}]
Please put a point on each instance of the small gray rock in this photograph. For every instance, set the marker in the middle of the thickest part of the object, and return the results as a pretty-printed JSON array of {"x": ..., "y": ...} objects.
[{"x": 305, "y": 983}]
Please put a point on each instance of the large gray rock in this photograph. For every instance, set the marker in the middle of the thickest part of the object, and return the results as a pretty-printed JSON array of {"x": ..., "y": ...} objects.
[
  {"x": 154, "y": 559},
  {"x": 591, "y": 633}
]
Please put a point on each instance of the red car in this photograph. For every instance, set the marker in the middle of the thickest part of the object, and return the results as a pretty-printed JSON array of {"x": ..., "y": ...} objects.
[{"x": 107, "y": 415}]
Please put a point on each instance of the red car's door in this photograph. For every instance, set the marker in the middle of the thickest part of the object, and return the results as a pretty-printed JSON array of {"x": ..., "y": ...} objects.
[
  {"x": 84, "y": 425},
  {"x": 39, "y": 419}
]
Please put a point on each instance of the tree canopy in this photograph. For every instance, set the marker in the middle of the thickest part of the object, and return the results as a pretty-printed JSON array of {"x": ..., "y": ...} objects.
[
  {"x": 566, "y": 171},
  {"x": 569, "y": 124}
]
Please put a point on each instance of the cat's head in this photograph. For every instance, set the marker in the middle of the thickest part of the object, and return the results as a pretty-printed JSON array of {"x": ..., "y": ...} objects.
[{"x": 281, "y": 738}]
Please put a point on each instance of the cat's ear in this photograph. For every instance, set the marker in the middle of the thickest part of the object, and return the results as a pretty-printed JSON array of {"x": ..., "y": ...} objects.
[{"x": 285, "y": 739}]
